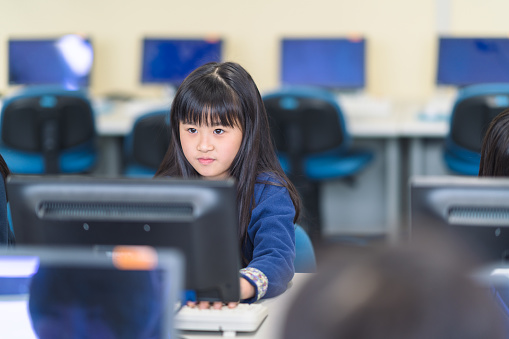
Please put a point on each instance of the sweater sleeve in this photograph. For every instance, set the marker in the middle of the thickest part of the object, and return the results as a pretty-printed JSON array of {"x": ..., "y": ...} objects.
[{"x": 272, "y": 234}]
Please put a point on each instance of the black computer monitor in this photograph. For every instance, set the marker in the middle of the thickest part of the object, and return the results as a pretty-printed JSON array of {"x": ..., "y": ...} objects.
[
  {"x": 474, "y": 210},
  {"x": 336, "y": 63},
  {"x": 65, "y": 61},
  {"x": 467, "y": 61},
  {"x": 198, "y": 217},
  {"x": 169, "y": 61}
]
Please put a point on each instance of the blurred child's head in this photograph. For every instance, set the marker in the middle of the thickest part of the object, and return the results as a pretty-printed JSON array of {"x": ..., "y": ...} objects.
[
  {"x": 397, "y": 292},
  {"x": 495, "y": 148}
]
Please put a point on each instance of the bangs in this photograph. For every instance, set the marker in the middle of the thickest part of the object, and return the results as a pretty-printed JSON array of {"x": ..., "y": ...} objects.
[{"x": 210, "y": 108}]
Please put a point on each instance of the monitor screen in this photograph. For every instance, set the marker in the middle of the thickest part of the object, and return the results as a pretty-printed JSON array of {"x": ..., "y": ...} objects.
[
  {"x": 197, "y": 217},
  {"x": 65, "y": 61},
  {"x": 75, "y": 293},
  {"x": 332, "y": 63},
  {"x": 171, "y": 60},
  {"x": 474, "y": 210},
  {"x": 468, "y": 61}
]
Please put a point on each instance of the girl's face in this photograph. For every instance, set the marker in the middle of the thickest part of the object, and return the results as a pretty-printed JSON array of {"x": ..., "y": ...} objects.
[{"x": 210, "y": 149}]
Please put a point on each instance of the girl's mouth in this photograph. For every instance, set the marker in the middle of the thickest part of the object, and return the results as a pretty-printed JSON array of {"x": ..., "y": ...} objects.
[{"x": 205, "y": 161}]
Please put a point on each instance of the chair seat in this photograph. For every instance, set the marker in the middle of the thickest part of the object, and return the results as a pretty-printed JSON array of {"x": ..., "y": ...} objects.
[
  {"x": 74, "y": 160},
  {"x": 460, "y": 165},
  {"x": 330, "y": 166}
]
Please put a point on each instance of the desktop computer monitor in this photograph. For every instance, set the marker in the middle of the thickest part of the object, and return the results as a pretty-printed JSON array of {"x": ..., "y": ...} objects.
[
  {"x": 65, "y": 61},
  {"x": 197, "y": 217},
  {"x": 169, "y": 61},
  {"x": 337, "y": 63},
  {"x": 474, "y": 210},
  {"x": 77, "y": 293},
  {"x": 468, "y": 61}
]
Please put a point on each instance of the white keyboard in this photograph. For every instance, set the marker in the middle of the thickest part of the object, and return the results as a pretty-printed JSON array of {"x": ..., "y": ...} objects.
[{"x": 243, "y": 318}]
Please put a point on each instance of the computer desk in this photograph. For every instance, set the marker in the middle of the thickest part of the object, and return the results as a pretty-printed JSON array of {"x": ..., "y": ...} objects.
[{"x": 272, "y": 326}]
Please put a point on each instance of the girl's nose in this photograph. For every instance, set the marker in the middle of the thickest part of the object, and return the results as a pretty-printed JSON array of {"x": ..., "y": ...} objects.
[{"x": 205, "y": 145}]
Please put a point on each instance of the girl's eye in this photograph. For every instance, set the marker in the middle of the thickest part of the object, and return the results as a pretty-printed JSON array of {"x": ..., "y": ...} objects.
[
  {"x": 218, "y": 131},
  {"x": 191, "y": 130}
]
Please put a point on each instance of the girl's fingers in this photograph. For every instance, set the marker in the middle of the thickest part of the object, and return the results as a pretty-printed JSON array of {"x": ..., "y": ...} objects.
[
  {"x": 203, "y": 305},
  {"x": 215, "y": 305}
]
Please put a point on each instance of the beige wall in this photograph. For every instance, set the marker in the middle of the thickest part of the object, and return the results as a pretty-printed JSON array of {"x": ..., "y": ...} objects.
[{"x": 401, "y": 33}]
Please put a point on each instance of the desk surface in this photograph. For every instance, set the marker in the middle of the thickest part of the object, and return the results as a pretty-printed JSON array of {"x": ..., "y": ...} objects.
[
  {"x": 116, "y": 118},
  {"x": 272, "y": 326}
]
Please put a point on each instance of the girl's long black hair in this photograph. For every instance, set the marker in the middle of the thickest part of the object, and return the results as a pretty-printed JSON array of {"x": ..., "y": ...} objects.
[
  {"x": 495, "y": 148},
  {"x": 225, "y": 93},
  {"x": 4, "y": 171}
]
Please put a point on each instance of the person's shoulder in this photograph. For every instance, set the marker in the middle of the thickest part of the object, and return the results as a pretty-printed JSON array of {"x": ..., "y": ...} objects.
[
  {"x": 271, "y": 179},
  {"x": 269, "y": 184}
]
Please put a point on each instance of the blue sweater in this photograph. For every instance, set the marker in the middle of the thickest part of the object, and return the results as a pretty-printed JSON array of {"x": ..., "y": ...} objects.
[{"x": 270, "y": 248}]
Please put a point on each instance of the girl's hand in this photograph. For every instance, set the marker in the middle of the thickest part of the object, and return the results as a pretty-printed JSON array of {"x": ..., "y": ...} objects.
[{"x": 246, "y": 291}]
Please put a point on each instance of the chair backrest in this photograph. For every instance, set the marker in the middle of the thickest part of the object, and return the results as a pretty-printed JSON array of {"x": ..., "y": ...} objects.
[
  {"x": 473, "y": 111},
  {"x": 53, "y": 123},
  {"x": 305, "y": 260},
  {"x": 147, "y": 143},
  {"x": 305, "y": 121}
]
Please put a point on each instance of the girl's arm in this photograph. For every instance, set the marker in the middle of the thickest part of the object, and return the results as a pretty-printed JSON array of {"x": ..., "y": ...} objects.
[{"x": 272, "y": 240}]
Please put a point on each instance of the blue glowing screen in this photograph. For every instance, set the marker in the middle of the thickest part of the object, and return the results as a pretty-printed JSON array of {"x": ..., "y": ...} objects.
[
  {"x": 334, "y": 63},
  {"x": 467, "y": 61},
  {"x": 65, "y": 61},
  {"x": 171, "y": 60}
]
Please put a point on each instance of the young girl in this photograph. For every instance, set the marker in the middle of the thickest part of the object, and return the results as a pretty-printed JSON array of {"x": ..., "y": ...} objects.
[
  {"x": 219, "y": 130},
  {"x": 495, "y": 148}
]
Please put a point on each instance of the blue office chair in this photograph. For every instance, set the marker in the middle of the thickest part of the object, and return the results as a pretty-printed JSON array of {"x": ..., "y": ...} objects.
[
  {"x": 147, "y": 144},
  {"x": 305, "y": 260},
  {"x": 473, "y": 111},
  {"x": 48, "y": 130},
  {"x": 313, "y": 143}
]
